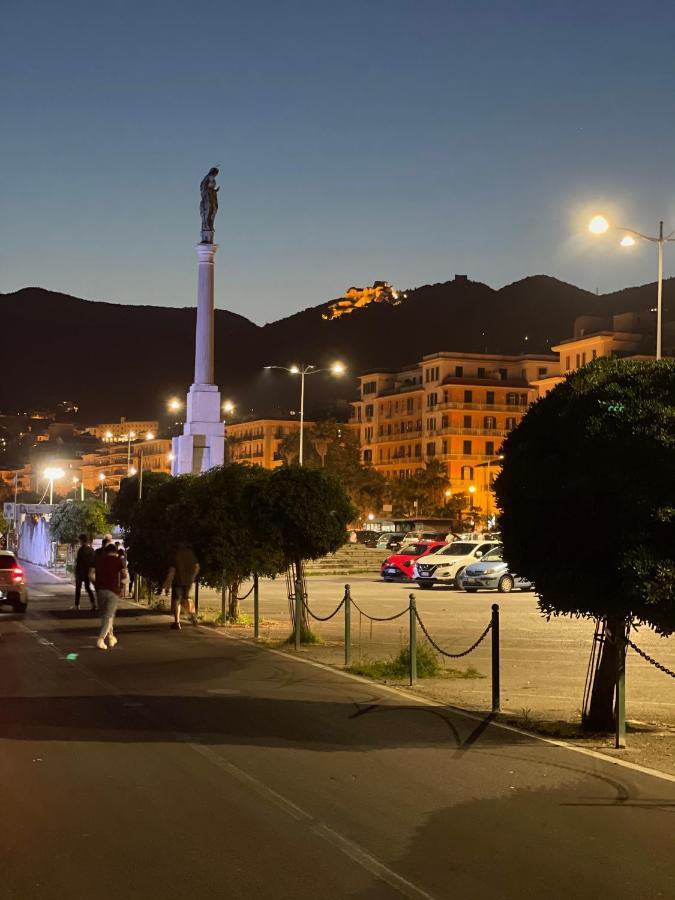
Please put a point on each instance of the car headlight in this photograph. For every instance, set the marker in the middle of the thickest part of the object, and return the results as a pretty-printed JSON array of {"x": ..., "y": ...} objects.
[{"x": 489, "y": 571}]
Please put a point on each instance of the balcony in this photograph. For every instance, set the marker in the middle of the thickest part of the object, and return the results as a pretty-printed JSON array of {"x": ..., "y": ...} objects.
[
  {"x": 484, "y": 432},
  {"x": 489, "y": 407}
]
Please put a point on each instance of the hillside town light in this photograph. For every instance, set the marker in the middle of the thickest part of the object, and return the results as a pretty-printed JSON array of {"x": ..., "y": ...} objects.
[
  {"x": 337, "y": 369},
  {"x": 52, "y": 475},
  {"x": 599, "y": 225}
]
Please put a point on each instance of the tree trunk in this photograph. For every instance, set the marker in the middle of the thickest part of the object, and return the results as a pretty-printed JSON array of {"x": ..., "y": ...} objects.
[
  {"x": 298, "y": 577},
  {"x": 223, "y": 600},
  {"x": 601, "y": 709},
  {"x": 233, "y": 608}
]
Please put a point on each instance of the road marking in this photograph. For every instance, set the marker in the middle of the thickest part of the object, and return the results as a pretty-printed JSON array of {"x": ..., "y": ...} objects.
[{"x": 351, "y": 849}]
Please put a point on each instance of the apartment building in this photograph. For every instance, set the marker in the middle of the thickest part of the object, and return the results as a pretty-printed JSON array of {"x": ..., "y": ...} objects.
[
  {"x": 257, "y": 442},
  {"x": 453, "y": 407},
  {"x": 117, "y": 431},
  {"x": 114, "y": 461},
  {"x": 630, "y": 335}
]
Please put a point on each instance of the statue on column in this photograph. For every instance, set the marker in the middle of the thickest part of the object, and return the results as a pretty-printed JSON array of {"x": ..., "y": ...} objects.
[{"x": 208, "y": 206}]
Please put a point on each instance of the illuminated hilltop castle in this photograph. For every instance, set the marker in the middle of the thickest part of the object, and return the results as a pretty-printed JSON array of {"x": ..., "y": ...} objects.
[{"x": 354, "y": 298}]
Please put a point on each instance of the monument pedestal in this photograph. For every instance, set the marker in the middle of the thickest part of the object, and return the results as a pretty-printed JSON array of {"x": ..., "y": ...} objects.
[{"x": 202, "y": 444}]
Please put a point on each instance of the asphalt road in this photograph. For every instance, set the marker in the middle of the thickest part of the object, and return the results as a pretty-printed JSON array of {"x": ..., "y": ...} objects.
[{"x": 194, "y": 765}]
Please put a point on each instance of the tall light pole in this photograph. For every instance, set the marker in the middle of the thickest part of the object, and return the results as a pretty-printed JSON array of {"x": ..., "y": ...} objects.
[
  {"x": 129, "y": 437},
  {"x": 599, "y": 225},
  {"x": 336, "y": 369},
  {"x": 52, "y": 475}
]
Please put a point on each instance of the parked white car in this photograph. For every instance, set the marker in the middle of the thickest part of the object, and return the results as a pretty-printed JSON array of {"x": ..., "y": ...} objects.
[
  {"x": 13, "y": 590},
  {"x": 449, "y": 562}
]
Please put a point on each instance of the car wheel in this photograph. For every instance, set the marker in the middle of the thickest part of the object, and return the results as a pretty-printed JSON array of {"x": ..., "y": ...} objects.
[
  {"x": 457, "y": 579},
  {"x": 505, "y": 585},
  {"x": 471, "y": 590}
]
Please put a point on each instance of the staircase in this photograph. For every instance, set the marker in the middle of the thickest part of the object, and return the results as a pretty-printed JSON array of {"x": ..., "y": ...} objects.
[{"x": 348, "y": 560}]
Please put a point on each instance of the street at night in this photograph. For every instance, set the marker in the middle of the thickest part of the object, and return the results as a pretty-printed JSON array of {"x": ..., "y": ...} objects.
[{"x": 193, "y": 763}]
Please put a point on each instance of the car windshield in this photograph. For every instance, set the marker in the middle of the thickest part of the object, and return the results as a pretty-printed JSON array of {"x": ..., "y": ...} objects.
[
  {"x": 417, "y": 549},
  {"x": 7, "y": 562},
  {"x": 459, "y": 548},
  {"x": 496, "y": 555}
]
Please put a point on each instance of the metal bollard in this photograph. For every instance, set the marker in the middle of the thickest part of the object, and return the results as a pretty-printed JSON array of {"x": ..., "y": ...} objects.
[
  {"x": 495, "y": 658},
  {"x": 620, "y": 711},
  {"x": 348, "y": 626},
  {"x": 413, "y": 640},
  {"x": 256, "y": 608},
  {"x": 298, "y": 612},
  {"x": 197, "y": 597}
]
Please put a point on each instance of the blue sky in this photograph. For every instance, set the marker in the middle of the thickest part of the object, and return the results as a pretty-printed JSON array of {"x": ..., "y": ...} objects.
[{"x": 358, "y": 141}]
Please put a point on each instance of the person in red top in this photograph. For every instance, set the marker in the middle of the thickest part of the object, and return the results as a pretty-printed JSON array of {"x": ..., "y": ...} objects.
[{"x": 109, "y": 568}]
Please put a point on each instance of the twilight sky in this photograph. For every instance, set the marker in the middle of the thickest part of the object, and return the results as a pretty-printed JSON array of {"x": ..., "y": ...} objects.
[{"x": 397, "y": 139}]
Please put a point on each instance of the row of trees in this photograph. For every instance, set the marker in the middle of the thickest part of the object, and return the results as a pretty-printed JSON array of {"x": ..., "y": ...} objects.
[
  {"x": 334, "y": 448},
  {"x": 239, "y": 520}
]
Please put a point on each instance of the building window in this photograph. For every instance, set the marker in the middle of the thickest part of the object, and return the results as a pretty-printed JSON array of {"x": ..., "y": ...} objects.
[
  {"x": 418, "y": 450},
  {"x": 446, "y": 396},
  {"x": 431, "y": 449},
  {"x": 578, "y": 360},
  {"x": 466, "y": 422},
  {"x": 445, "y": 422},
  {"x": 466, "y": 473},
  {"x": 369, "y": 410},
  {"x": 445, "y": 447},
  {"x": 466, "y": 447},
  {"x": 595, "y": 354},
  {"x": 511, "y": 399},
  {"x": 503, "y": 374},
  {"x": 367, "y": 456},
  {"x": 489, "y": 422},
  {"x": 489, "y": 448},
  {"x": 583, "y": 358},
  {"x": 490, "y": 397},
  {"x": 542, "y": 372},
  {"x": 432, "y": 399},
  {"x": 567, "y": 362},
  {"x": 459, "y": 371},
  {"x": 368, "y": 437},
  {"x": 370, "y": 387},
  {"x": 468, "y": 396},
  {"x": 481, "y": 372},
  {"x": 409, "y": 403},
  {"x": 510, "y": 423}
]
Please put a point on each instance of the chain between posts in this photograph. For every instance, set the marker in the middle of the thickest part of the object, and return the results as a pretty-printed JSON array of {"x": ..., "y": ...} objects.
[
  {"x": 650, "y": 659},
  {"x": 443, "y": 652},
  {"x": 382, "y": 619},
  {"x": 324, "y": 618},
  {"x": 247, "y": 594}
]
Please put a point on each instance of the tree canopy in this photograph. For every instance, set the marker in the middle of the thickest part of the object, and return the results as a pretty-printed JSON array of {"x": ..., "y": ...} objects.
[
  {"x": 74, "y": 517},
  {"x": 126, "y": 500},
  {"x": 587, "y": 493}
]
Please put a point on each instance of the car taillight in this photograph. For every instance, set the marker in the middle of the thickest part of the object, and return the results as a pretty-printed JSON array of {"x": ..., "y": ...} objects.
[{"x": 17, "y": 575}]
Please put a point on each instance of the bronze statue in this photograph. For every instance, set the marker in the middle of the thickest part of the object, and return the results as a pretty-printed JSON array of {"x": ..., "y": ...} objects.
[{"x": 208, "y": 206}]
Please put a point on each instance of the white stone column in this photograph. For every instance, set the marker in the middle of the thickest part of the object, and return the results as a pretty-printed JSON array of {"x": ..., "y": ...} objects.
[
  {"x": 202, "y": 444},
  {"x": 204, "y": 371}
]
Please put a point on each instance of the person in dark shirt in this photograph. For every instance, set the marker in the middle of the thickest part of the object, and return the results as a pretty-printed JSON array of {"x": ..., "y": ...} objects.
[
  {"x": 182, "y": 574},
  {"x": 84, "y": 563},
  {"x": 109, "y": 568}
]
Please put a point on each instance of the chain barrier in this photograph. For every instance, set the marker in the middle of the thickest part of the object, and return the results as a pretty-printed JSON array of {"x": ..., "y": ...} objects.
[
  {"x": 650, "y": 659},
  {"x": 247, "y": 594},
  {"x": 445, "y": 652},
  {"x": 324, "y": 618},
  {"x": 383, "y": 618}
]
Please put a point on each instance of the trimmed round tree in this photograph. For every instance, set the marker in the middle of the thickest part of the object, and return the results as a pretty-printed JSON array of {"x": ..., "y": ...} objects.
[
  {"x": 587, "y": 493},
  {"x": 72, "y": 518}
]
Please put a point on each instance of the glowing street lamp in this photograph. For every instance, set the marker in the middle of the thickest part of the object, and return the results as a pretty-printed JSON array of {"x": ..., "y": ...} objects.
[
  {"x": 336, "y": 369},
  {"x": 174, "y": 405},
  {"x": 149, "y": 436},
  {"x": 228, "y": 407},
  {"x": 599, "y": 225},
  {"x": 52, "y": 475}
]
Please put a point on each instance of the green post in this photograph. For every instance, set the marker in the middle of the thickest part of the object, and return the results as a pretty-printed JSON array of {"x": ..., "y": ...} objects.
[
  {"x": 620, "y": 716},
  {"x": 298, "y": 612},
  {"x": 256, "y": 608},
  {"x": 348, "y": 626},
  {"x": 413, "y": 640},
  {"x": 496, "y": 701}
]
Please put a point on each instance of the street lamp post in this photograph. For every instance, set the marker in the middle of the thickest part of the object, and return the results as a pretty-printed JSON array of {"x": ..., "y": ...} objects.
[
  {"x": 52, "y": 475},
  {"x": 129, "y": 437},
  {"x": 336, "y": 369},
  {"x": 599, "y": 225}
]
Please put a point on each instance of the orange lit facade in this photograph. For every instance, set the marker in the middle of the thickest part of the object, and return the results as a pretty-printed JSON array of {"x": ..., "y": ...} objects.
[
  {"x": 112, "y": 461},
  {"x": 257, "y": 442},
  {"x": 117, "y": 431},
  {"x": 453, "y": 407}
]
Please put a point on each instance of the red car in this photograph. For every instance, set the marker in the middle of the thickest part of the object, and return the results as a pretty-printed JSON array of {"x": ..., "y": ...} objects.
[{"x": 398, "y": 566}]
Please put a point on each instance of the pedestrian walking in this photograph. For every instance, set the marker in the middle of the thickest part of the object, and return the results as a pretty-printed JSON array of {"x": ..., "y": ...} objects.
[
  {"x": 105, "y": 540},
  {"x": 125, "y": 572},
  {"x": 84, "y": 563},
  {"x": 182, "y": 574},
  {"x": 109, "y": 568}
]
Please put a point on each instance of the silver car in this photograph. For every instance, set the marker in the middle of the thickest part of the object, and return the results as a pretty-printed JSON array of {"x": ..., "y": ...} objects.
[
  {"x": 13, "y": 590},
  {"x": 492, "y": 574}
]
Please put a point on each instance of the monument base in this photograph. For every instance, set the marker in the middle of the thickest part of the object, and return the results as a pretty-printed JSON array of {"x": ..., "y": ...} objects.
[{"x": 202, "y": 444}]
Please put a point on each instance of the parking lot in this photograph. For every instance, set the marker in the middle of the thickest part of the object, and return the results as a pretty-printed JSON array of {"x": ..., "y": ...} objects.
[{"x": 544, "y": 663}]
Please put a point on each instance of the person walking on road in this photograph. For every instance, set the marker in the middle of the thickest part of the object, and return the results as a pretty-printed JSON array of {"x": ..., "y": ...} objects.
[
  {"x": 84, "y": 563},
  {"x": 109, "y": 569},
  {"x": 182, "y": 574},
  {"x": 105, "y": 540}
]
